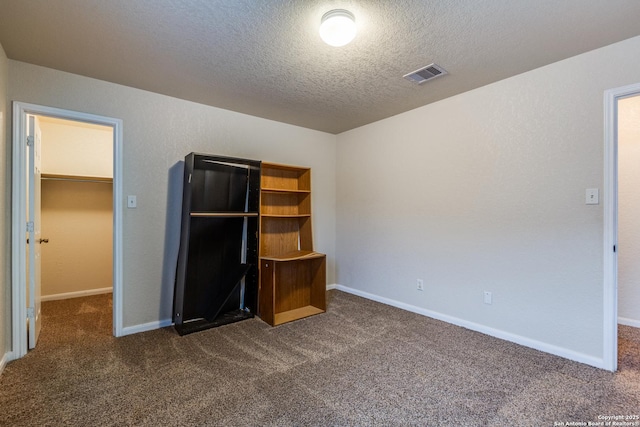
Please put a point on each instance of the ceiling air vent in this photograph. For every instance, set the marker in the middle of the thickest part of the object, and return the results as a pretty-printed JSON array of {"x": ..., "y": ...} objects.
[{"x": 429, "y": 72}]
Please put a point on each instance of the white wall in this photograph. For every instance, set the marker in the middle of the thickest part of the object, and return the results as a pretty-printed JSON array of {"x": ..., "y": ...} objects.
[
  {"x": 5, "y": 218},
  {"x": 158, "y": 132},
  {"x": 486, "y": 191},
  {"x": 76, "y": 148},
  {"x": 629, "y": 211}
]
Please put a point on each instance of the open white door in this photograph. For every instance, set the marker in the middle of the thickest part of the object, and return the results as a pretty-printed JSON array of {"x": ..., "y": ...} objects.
[{"x": 33, "y": 230}]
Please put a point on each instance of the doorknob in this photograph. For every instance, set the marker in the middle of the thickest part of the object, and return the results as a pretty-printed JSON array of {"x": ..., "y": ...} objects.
[{"x": 39, "y": 241}]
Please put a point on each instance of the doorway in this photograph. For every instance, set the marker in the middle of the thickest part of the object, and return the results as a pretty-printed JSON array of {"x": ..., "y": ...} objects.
[
  {"x": 20, "y": 192},
  {"x": 611, "y": 222},
  {"x": 628, "y": 211},
  {"x": 76, "y": 208}
]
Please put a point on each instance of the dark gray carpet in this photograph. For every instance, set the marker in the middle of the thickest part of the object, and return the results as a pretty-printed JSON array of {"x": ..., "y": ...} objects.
[{"x": 360, "y": 364}]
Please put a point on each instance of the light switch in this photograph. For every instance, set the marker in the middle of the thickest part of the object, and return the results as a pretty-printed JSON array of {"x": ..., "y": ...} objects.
[
  {"x": 592, "y": 196},
  {"x": 132, "y": 202}
]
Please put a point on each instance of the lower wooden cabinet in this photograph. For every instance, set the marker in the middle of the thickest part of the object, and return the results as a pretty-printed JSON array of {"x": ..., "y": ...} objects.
[{"x": 292, "y": 286}]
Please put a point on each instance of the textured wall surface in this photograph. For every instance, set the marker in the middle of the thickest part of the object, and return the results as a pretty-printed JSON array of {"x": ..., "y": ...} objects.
[
  {"x": 5, "y": 208},
  {"x": 629, "y": 210},
  {"x": 486, "y": 191},
  {"x": 158, "y": 132},
  {"x": 77, "y": 218}
]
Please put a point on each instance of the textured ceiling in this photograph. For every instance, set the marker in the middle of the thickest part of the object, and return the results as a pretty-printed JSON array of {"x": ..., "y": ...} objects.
[{"x": 265, "y": 58}]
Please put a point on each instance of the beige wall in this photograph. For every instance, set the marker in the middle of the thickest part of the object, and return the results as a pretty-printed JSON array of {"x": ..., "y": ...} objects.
[
  {"x": 77, "y": 219},
  {"x": 76, "y": 148},
  {"x": 629, "y": 210},
  {"x": 486, "y": 191},
  {"x": 158, "y": 132},
  {"x": 5, "y": 216}
]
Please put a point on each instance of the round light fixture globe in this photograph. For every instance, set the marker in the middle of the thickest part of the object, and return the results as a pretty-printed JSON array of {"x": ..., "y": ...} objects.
[{"x": 338, "y": 27}]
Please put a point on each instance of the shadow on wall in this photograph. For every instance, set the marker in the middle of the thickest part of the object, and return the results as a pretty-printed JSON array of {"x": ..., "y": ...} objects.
[{"x": 172, "y": 236}]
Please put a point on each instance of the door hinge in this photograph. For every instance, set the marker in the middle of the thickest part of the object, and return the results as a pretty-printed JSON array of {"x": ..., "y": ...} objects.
[
  {"x": 614, "y": 248},
  {"x": 30, "y": 227},
  {"x": 30, "y": 312},
  {"x": 29, "y": 141}
]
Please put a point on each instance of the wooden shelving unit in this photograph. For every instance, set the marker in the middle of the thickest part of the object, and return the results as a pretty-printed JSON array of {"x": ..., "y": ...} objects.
[{"x": 292, "y": 275}]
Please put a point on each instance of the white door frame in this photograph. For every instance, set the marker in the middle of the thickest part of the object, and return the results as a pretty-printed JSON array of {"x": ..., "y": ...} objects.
[
  {"x": 610, "y": 289},
  {"x": 19, "y": 215}
]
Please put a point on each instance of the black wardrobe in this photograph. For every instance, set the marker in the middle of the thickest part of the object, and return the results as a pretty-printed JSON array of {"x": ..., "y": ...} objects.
[{"x": 217, "y": 274}]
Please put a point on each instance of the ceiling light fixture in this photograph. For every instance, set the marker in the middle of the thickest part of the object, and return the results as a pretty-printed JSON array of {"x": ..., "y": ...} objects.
[{"x": 338, "y": 27}]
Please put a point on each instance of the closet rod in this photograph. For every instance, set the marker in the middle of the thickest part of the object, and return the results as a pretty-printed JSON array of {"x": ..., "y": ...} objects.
[{"x": 76, "y": 178}]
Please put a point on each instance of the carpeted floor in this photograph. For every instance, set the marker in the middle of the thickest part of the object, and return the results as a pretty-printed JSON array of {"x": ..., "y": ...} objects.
[{"x": 360, "y": 364}]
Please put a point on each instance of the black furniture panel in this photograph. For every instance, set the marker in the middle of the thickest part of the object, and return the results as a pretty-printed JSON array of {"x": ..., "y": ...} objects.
[{"x": 217, "y": 274}]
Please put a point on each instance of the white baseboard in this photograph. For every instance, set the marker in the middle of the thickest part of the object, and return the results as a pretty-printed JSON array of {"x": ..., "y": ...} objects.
[
  {"x": 629, "y": 322},
  {"x": 136, "y": 329},
  {"x": 68, "y": 295},
  {"x": 3, "y": 362},
  {"x": 497, "y": 333},
  {"x": 129, "y": 330}
]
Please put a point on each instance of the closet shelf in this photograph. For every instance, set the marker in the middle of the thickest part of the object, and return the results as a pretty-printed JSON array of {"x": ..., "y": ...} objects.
[{"x": 76, "y": 178}]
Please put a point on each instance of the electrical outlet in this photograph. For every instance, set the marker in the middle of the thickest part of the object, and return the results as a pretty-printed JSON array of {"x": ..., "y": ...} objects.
[
  {"x": 420, "y": 285},
  {"x": 487, "y": 297}
]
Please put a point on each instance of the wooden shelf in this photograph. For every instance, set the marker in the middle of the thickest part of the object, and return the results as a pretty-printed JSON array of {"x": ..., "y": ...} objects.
[
  {"x": 282, "y": 178},
  {"x": 285, "y": 203},
  {"x": 295, "y": 314},
  {"x": 294, "y": 256},
  {"x": 292, "y": 275},
  {"x": 286, "y": 216},
  {"x": 285, "y": 190}
]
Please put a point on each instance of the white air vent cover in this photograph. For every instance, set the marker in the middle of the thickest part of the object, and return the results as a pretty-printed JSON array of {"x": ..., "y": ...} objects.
[{"x": 429, "y": 72}]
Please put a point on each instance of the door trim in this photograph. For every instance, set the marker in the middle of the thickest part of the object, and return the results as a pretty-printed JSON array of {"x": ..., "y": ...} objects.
[
  {"x": 19, "y": 215},
  {"x": 610, "y": 265}
]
